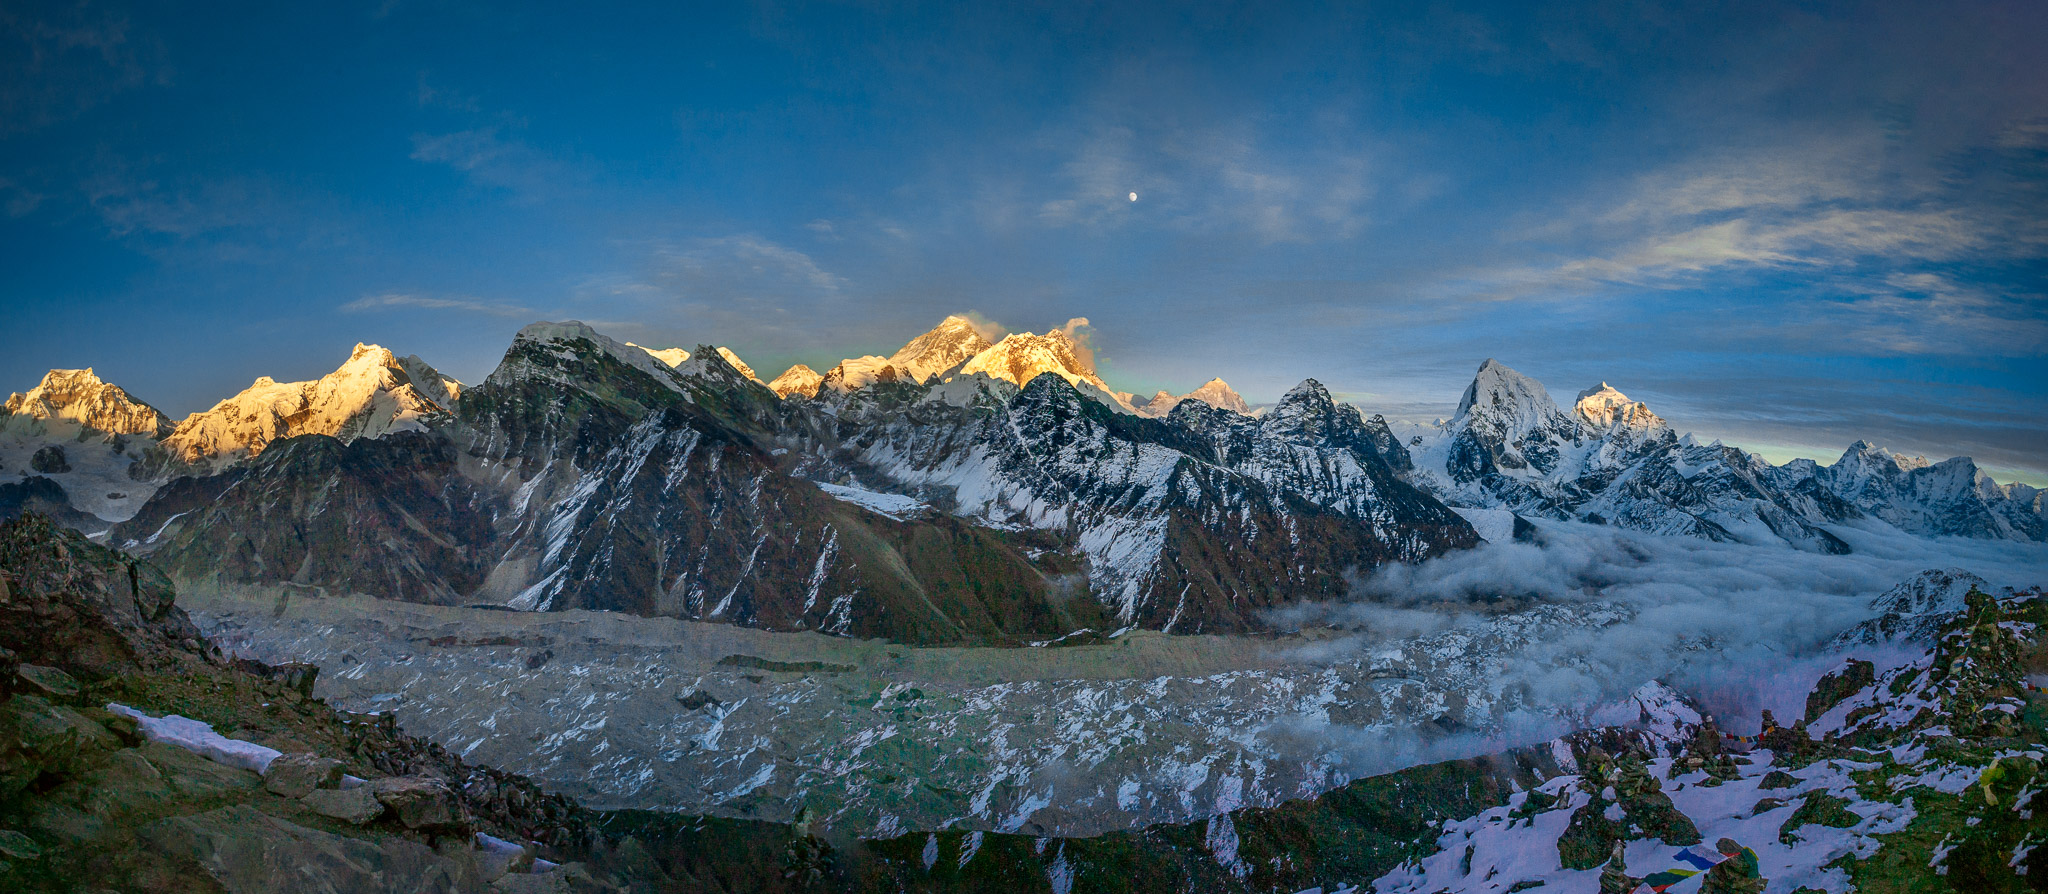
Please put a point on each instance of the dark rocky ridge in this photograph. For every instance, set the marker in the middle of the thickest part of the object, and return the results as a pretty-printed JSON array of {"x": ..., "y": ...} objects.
[{"x": 1248, "y": 513}]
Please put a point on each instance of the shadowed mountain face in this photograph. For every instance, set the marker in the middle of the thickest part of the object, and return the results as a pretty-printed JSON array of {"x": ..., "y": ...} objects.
[
  {"x": 1195, "y": 523},
  {"x": 585, "y": 473},
  {"x": 387, "y": 516}
]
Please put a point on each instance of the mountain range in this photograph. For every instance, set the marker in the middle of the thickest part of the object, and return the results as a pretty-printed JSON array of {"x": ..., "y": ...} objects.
[{"x": 959, "y": 490}]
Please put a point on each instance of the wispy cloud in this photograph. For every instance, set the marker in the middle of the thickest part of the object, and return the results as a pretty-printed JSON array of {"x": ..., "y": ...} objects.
[
  {"x": 1884, "y": 263},
  {"x": 394, "y": 300},
  {"x": 753, "y": 255},
  {"x": 1833, "y": 237},
  {"x": 438, "y": 96},
  {"x": 1932, "y": 313},
  {"x": 238, "y": 215},
  {"x": 18, "y": 200},
  {"x": 492, "y": 159}
]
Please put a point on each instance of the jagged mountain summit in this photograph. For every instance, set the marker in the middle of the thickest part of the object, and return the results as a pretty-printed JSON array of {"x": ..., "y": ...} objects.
[
  {"x": 677, "y": 357},
  {"x": 372, "y": 394},
  {"x": 1022, "y": 356},
  {"x": 951, "y": 343},
  {"x": 977, "y": 501},
  {"x": 956, "y": 347},
  {"x": 1949, "y": 498},
  {"x": 1215, "y": 392},
  {"x": 939, "y": 351},
  {"x": 1604, "y": 407},
  {"x": 71, "y": 446},
  {"x": 1613, "y": 461},
  {"x": 74, "y": 403},
  {"x": 1511, "y": 447},
  {"x": 797, "y": 381}
]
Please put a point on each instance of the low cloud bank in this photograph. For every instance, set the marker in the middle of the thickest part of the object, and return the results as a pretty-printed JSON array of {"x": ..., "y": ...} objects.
[{"x": 1739, "y": 627}]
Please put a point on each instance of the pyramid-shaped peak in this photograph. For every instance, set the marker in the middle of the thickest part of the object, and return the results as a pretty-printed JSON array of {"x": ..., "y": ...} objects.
[
  {"x": 1308, "y": 409},
  {"x": 1309, "y": 389},
  {"x": 1306, "y": 401},
  {"x": 1218, "y": 393},
  {"x": 1496, "y": 387},
  {"x": 797, "y": 380},
  {"x": 947, "y": 345},
  {"x": 1506, "y": 406}
]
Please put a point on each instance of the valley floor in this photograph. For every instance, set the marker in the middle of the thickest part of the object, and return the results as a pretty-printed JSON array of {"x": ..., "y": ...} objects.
[{"x": 876, "y": 739}]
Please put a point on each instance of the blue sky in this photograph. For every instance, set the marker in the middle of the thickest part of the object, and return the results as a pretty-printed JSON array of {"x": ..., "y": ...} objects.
[{"x": 1785, "y": 225}]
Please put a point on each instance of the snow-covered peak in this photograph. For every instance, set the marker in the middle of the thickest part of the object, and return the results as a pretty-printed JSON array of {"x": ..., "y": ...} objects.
[
  {"x": 1506, "y": 404},
  {"x": 855, "y": 373},
  {"x": 69, "y": 401},
  {"x": 1306, "y": 410},
  {"x": 560, "y": 340},
  {"x": 1218, "y": 393},
  {"x": 1864, "y": 454},
  {"x": 674, "y": 357},
  {"x": 372, "y": 394},
  {"x": 1310, "y": 393},
  {"x": 1215, "y": 393},
  {"x": 1158, "y": 405},
  {"x": 1866, "y": 467},
  {"x": 947, "y": 345},
  {"x": 738, "y": 364},
  {"x": 1022, "y": 356},
  {"x": 798, "y": 379},
  {"x": 1606, "y": 408}
]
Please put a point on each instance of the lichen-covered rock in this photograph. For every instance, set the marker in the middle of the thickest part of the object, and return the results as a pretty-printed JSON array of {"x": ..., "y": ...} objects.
[
  {"x": 48, "y": 681},
  {"x": 297, "y": 775},
  {"x": 1838, "y": 684},
  {"x": 419, "y": 802},
  {"x": 245, "y": 850},
  {"x": 356, "y": 806}
]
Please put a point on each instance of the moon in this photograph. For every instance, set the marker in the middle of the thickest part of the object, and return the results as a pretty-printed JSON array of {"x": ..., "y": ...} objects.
[{"x": 1134, "y": 197}]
